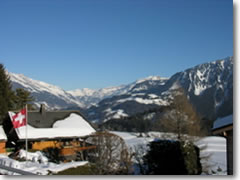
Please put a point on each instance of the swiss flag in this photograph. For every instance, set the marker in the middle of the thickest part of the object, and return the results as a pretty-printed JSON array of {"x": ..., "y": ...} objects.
[{"x": 19, "y": 119}]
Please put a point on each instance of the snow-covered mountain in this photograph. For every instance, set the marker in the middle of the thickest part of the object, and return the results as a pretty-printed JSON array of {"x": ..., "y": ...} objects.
[
  {"x": 208, "y": 86},
  {"x": 52, "y": 96},
  {"x": 92, "y": 97},
  {"x": 56, "y": 98}
]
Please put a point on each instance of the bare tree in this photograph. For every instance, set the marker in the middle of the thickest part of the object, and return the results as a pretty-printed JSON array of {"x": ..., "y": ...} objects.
[
  {"x": 111, "y": 155},
  {"x": 182, "y": 118}
]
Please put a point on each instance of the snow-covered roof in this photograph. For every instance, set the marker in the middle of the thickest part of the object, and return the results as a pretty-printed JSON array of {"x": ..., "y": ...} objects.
[
  {"x": 72, "y": 126},
  {"x": 221, "y": 122},
  {"x": 2, "y": 134}
]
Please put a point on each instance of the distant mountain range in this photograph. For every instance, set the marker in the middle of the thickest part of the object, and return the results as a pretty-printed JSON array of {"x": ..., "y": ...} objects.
[{"x": 208, "y": 86}]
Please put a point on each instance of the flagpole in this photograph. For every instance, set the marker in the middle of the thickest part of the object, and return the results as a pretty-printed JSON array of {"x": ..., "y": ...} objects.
[{"x": 26, "y": 140}]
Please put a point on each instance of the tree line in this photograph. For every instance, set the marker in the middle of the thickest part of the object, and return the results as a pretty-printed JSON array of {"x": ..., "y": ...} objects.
[{"x": 10, "y": 99}]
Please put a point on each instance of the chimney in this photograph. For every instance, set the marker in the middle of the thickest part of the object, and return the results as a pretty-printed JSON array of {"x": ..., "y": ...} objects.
[{"x": 42, "y": 109}]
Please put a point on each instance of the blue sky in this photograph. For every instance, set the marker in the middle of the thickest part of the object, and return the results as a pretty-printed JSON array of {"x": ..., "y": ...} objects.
[{"x": 101, "y": 43}]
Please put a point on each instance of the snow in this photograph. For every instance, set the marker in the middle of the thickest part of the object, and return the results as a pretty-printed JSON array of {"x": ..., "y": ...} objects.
[
  {"x": 144, "y": 101},
  {"x": 175, "y": 86},
  {"x": 72, "y": 126},
  {"x": 35, "y": 86},
  {"x": 34, "y": 157},
  {"x": 200, "y": 75},
  {"x": 141, "y": 88},
  {"x": 82, "y": 92},
  {"x": 221, "y": 122},
  {"x": 213, "y": 147},
  {"x": 152, "y": 78},
  {"x": 119, "y": 113},
  {"x": 199, "y": 89},
  {"x": 116, "y": 114},
  {"x": 222, "y": 64},
  {"x": 91, "y": 96},
  {"x": 36, "y": 167},
  {"x": 153, "y": 96},
  {"x": 2, "y": 134},
  {"x": 137, "y": 94}
]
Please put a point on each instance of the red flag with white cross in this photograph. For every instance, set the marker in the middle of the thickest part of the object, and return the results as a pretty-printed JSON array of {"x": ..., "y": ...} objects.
[{"x": 19, "y": 119}]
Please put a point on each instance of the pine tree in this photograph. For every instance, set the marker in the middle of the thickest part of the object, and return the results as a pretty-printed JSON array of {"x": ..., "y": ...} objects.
[
  {"x": 6, "y": 93},
  {"x": 22, "y": 97}
]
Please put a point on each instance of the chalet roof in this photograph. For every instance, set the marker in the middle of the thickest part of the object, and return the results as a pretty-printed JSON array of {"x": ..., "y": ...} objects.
[
  {"x": 54, "y": 125},
  {"x": 46, "y": 119},
  {"x": 73, "y": 126},
  {"x": 223, "y": 122}
]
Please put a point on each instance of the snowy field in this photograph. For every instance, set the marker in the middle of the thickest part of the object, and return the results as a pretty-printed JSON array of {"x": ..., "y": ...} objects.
[{"x": 212, "y": 147}]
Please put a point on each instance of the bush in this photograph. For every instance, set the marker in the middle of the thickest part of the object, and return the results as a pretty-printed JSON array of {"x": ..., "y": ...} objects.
[
  {"x": 191, "y": 154},
  {"x": 172, "y": 158}
]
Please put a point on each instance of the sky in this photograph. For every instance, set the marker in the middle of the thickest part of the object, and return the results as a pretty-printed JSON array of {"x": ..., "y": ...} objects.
[{"x": 101, "y": 43}]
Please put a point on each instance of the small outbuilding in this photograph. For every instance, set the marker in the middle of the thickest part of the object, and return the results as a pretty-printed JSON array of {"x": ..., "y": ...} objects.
[{"x": 224, "y": 127}]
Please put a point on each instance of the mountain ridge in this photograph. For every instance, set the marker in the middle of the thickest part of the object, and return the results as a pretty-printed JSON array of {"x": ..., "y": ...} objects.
[
  {"x": 212, "y": 81},
  {"x": 208, "y": 86}
]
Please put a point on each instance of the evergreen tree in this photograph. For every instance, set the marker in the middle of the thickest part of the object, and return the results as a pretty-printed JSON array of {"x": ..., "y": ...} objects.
[
  {"x": 22, "y": 97},
  {"x": 6, "y": 94},
  {"x": 166, "y": 157}
]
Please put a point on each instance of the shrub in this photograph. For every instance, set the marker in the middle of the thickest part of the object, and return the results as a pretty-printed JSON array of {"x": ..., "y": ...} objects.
[
  {"x": 191, "y": 154},
  {"x": 172, "y": 158}
]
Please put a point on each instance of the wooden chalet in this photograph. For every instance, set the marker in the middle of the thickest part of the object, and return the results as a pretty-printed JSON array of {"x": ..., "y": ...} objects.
[
  {"x": 224, "y": 127},
  {"x": 65, "y": 130}
]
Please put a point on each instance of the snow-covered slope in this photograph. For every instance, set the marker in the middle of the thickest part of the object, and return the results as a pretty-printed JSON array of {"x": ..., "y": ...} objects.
[
  {"x": 52, "y": 96},
  {"x": 56, "y": 98},
  {"x": 92, "y": 97},
  {"x": 208, "y": 86}
]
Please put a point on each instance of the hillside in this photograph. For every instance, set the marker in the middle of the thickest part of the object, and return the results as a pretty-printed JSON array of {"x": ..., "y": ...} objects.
[{"x": 208, "y": 86}]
